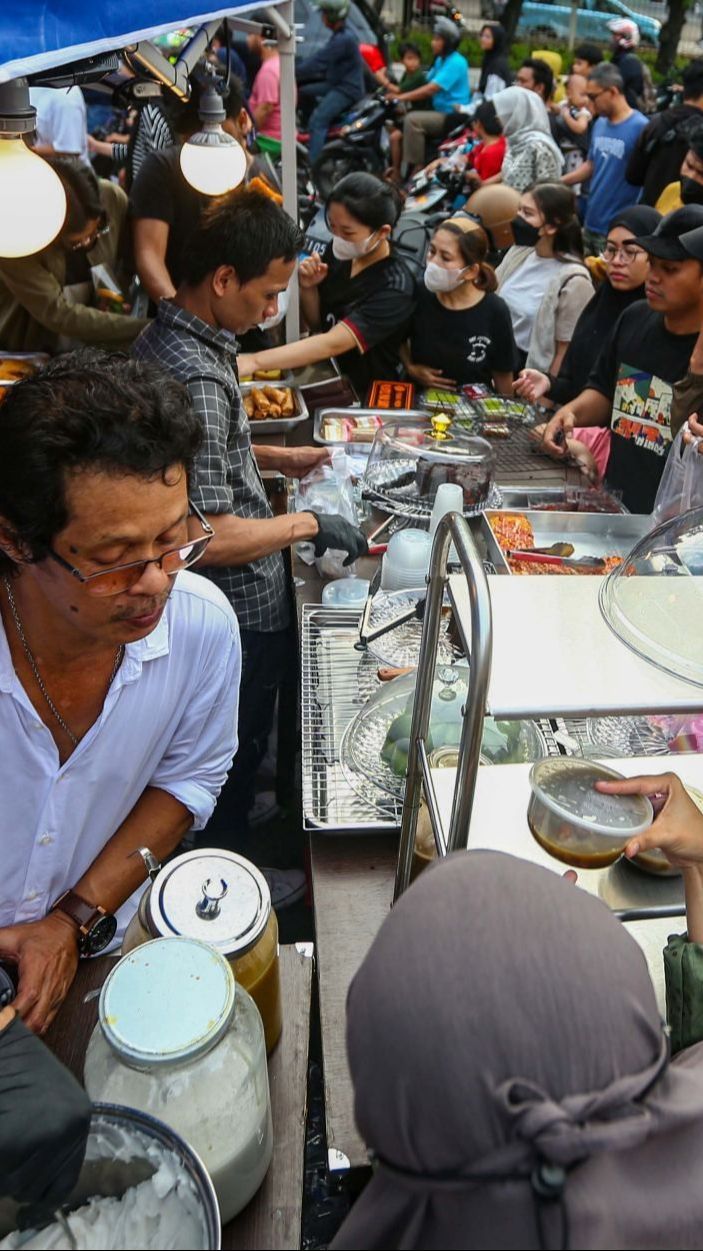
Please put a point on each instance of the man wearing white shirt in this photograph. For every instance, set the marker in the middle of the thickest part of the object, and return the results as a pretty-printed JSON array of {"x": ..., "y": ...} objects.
[
  {"x": 62, "y": 122},
  {"x": 118, "y": 680}
]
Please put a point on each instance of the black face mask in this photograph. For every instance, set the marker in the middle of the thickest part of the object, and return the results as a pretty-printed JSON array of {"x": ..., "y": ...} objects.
[
  {"x": 524, "y": 233},
  {"x": 691, "y": 191}
]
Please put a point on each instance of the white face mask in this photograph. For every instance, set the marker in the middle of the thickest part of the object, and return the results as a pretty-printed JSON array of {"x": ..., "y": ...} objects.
[
  {"x": 437, "y": 278},
  {"x": 279, "y": 314},
  {"x": 345, "y": 250}
]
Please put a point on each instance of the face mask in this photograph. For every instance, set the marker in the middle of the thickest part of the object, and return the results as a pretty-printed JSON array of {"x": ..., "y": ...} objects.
[
  {"x": 691, "y": 191},
  {"x": 437, "y": 278},
  {"x": 345, "y": 250},
  {"x": 279, "y": 314},
  {"x": 524, "y": 233}
]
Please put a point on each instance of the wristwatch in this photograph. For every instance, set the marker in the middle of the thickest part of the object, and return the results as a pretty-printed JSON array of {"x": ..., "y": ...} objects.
[{"x": 96, "y": 927}]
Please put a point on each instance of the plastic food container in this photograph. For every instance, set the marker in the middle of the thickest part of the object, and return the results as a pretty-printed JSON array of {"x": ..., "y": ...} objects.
[
  {"x": 576, "y": 823},
  {"x": 406, "y": 561},
  {"x": 346, "y": 593},
  {"x": 409, "y": 461},
  {"x": 222, "y": 899},
  {"x": 655, "y": 861},
  {"x": 177, "y": 1038}
]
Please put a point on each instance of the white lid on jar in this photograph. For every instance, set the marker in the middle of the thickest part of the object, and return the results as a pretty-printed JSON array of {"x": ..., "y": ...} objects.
[
  {"x": 167, "y": 1002},
  {"x": 213, "y": 895}
]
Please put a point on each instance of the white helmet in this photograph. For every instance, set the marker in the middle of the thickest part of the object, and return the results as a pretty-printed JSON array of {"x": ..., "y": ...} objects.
[{"x": 627, "y": 33}]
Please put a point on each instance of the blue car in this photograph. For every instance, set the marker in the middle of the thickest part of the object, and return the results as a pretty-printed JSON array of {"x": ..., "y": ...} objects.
[{"x": 592, "y": 20}]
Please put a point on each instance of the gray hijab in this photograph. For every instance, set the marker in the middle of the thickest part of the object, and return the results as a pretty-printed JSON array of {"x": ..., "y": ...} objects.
[{"x": 512, "y": 1075}]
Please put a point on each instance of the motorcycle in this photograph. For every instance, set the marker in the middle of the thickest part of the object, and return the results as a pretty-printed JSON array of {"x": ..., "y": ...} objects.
[
  {"x": 360, "y": 142},
  {"x": 444, "y": 185}
]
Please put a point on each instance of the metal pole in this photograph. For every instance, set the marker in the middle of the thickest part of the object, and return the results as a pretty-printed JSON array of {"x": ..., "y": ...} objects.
[
  {"x": 454, "y": 528},
  {"x": 573, "y": 21},
  {"x": 286, "y": 51}
]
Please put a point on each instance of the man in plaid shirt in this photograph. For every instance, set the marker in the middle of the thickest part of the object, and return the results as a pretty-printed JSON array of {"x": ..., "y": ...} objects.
[{"x": 237, "y": 263}]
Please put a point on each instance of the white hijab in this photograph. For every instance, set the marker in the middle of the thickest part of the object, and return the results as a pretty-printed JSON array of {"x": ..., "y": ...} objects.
[{"x": 525, "y": 121}]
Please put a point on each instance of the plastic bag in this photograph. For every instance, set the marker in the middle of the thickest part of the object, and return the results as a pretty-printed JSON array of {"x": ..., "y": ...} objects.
[
  {"x": 681, "y": 485},
  {"x": 328, "y": 489}
]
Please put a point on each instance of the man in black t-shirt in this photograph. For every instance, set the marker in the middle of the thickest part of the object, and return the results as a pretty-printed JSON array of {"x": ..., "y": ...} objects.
[{"x": 630, "y": 386}]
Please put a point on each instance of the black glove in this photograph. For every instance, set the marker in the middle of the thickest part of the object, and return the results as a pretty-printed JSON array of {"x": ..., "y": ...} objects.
[
  {"x": 339, "y": 535},
  {"x": 44, "y": 1123}
]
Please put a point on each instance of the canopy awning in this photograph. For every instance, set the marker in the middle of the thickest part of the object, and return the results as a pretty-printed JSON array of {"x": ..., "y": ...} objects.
[{"x": 39, "y": 35}]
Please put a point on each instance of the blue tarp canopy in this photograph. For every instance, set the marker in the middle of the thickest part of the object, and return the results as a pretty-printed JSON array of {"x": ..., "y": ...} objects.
[{"x": 42, "y": 34}]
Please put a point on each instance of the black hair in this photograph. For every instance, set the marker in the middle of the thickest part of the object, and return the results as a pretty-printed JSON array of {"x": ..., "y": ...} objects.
[
  {"x": 499, "y": 34},
  {"x": 410, "y": 47},
  {"x": 365, "y": 197},
  {"x": 245, "y": 229},
  {"x": 82, "y": 189},
  {"x": 489, "y": 119},
  {"x": 692, "y": 80},
  {"x": 694, "y": 136},
  {"x": 86, "y": 410},
  {"x": 588, "y": 52},
  {"x": 183, "y": 116},
  {"x": 473, "y": 246},
  {"x": 557, "y": 204},
  {"x": 543, "y": 74}
]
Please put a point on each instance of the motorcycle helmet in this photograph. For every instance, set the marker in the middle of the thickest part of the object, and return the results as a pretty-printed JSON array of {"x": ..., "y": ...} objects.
[
  {"x": 444, "y": 28},
  {"x": 626, "y": 32},
  {"x": 337, "y": 10},
  {"x": 495, "y": 207}
]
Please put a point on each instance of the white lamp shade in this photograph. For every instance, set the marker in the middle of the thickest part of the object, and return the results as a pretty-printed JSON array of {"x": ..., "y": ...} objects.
[
  {"x": 213, "y": 169},
  {"x": 32, "y": 200}
]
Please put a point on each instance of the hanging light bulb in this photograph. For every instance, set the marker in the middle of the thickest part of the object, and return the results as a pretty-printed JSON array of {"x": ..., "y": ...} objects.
[
  {"x": 32, "y": 197},
  {"x": 212, "y": 161}
]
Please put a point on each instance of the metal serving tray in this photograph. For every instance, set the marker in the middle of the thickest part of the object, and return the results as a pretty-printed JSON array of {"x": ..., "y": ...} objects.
[
  {"x": 277, "y": 425},
  {"x": 565, "y": 499},
  {"x": 348, "y": 414},
  {"x": 592, "y": 534}
]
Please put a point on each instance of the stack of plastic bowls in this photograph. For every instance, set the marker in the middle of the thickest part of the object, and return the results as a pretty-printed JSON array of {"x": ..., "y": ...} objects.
[{"x": 406, "y": 561}]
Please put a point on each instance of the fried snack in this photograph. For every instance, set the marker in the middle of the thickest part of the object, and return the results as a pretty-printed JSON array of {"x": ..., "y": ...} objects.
[
  {"x": 269, "y": 403},
  {"x": 15, "y": 370},
  {"x": 513, "y": 532}
]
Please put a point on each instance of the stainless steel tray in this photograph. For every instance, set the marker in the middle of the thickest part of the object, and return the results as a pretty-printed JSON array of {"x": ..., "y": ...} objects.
[
  {"x": 348, "y": 414},
  {"x": 559, "y": 499},
  {"x": 592, "y": 534},
  {"x": 277, "y": 425},
  {"x": 336, "y": 683}
]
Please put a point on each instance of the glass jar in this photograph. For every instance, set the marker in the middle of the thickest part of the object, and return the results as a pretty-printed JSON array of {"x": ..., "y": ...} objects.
[
  {"x": 221, "y": 899},
  {"x": 177, "y": 1038}
]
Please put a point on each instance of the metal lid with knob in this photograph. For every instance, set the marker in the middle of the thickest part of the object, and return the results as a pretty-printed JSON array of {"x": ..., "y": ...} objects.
[{"x": 213, "y": 895}]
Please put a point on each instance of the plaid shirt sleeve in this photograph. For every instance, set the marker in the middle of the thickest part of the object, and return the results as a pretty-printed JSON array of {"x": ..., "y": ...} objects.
[{"x": 214, "y": 471}]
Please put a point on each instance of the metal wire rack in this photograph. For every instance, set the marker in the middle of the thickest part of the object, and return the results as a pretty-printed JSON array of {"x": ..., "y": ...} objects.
[{"x": 337, "y": 681}]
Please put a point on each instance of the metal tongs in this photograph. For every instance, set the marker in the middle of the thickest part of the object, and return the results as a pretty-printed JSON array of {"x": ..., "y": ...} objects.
[
  {"x": 533, "y": 557},
  {"x": 367, "y": 636}
]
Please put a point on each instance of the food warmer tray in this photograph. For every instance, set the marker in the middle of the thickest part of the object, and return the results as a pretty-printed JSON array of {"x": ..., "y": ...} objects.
[
  {"x": 276, "y": 425},
  {"x": 554, "y": 655},
  {"x": 592, "y": 534},
  {"x": 499, "y": 823},
  {"x": 348, "y": 414},
  {"x": 569, "y": 498}
]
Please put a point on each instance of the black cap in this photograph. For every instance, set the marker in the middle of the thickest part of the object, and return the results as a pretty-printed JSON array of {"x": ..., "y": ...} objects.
[
  {"x": 693, "y": 243},
  {"x": 666, "y": 242}
]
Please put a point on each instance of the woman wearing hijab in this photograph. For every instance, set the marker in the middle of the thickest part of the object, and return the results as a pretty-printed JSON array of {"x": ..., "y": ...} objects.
[
  {"x": 626, "y": 269},
  {"x": 532, "y": 154},
  {"x": 495, "y": 70},
  {"x": 512, "y": 1074}
]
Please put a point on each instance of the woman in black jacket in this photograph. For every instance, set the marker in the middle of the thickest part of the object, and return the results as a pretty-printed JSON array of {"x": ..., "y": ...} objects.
[{"x": 495, "y": 70}]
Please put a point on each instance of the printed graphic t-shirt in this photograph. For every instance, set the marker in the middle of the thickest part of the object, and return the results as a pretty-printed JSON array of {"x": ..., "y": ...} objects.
[
  {"x": 468, "y": 344},
  {"x": 610, "y": 150},
  {"x": 637, "y": 370}
]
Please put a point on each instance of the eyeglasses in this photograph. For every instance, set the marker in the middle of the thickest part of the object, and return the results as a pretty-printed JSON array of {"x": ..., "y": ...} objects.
[
  {"x": 593, "y": 95},
  {"x": 84, "y": 245},
  {"x": 628, "y": 252},
  {"x": 123, "y": 577}
]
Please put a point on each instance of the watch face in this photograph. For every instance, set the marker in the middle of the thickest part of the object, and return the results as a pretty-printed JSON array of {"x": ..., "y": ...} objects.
[{"x": 99, "y": 935}]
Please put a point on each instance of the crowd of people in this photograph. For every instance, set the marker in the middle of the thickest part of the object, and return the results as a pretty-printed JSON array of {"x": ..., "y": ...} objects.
[{"x": 135, "y": 700}]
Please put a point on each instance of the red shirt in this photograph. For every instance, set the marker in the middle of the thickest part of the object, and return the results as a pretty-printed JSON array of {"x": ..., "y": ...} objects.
[
  {"x": 488, "y": 161},
  {"x": 373, "y": 56}
]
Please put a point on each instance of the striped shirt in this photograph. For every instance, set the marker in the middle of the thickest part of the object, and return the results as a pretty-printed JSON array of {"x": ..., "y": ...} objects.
[
  {"x": 227, "y": 478},
  {"x": 152, "y": 134}
]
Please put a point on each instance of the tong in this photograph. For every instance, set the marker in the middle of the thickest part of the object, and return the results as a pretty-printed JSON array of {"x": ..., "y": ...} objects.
[
  {"x": 367, "y": 636},
  {"x": 539, "y": 558}
]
